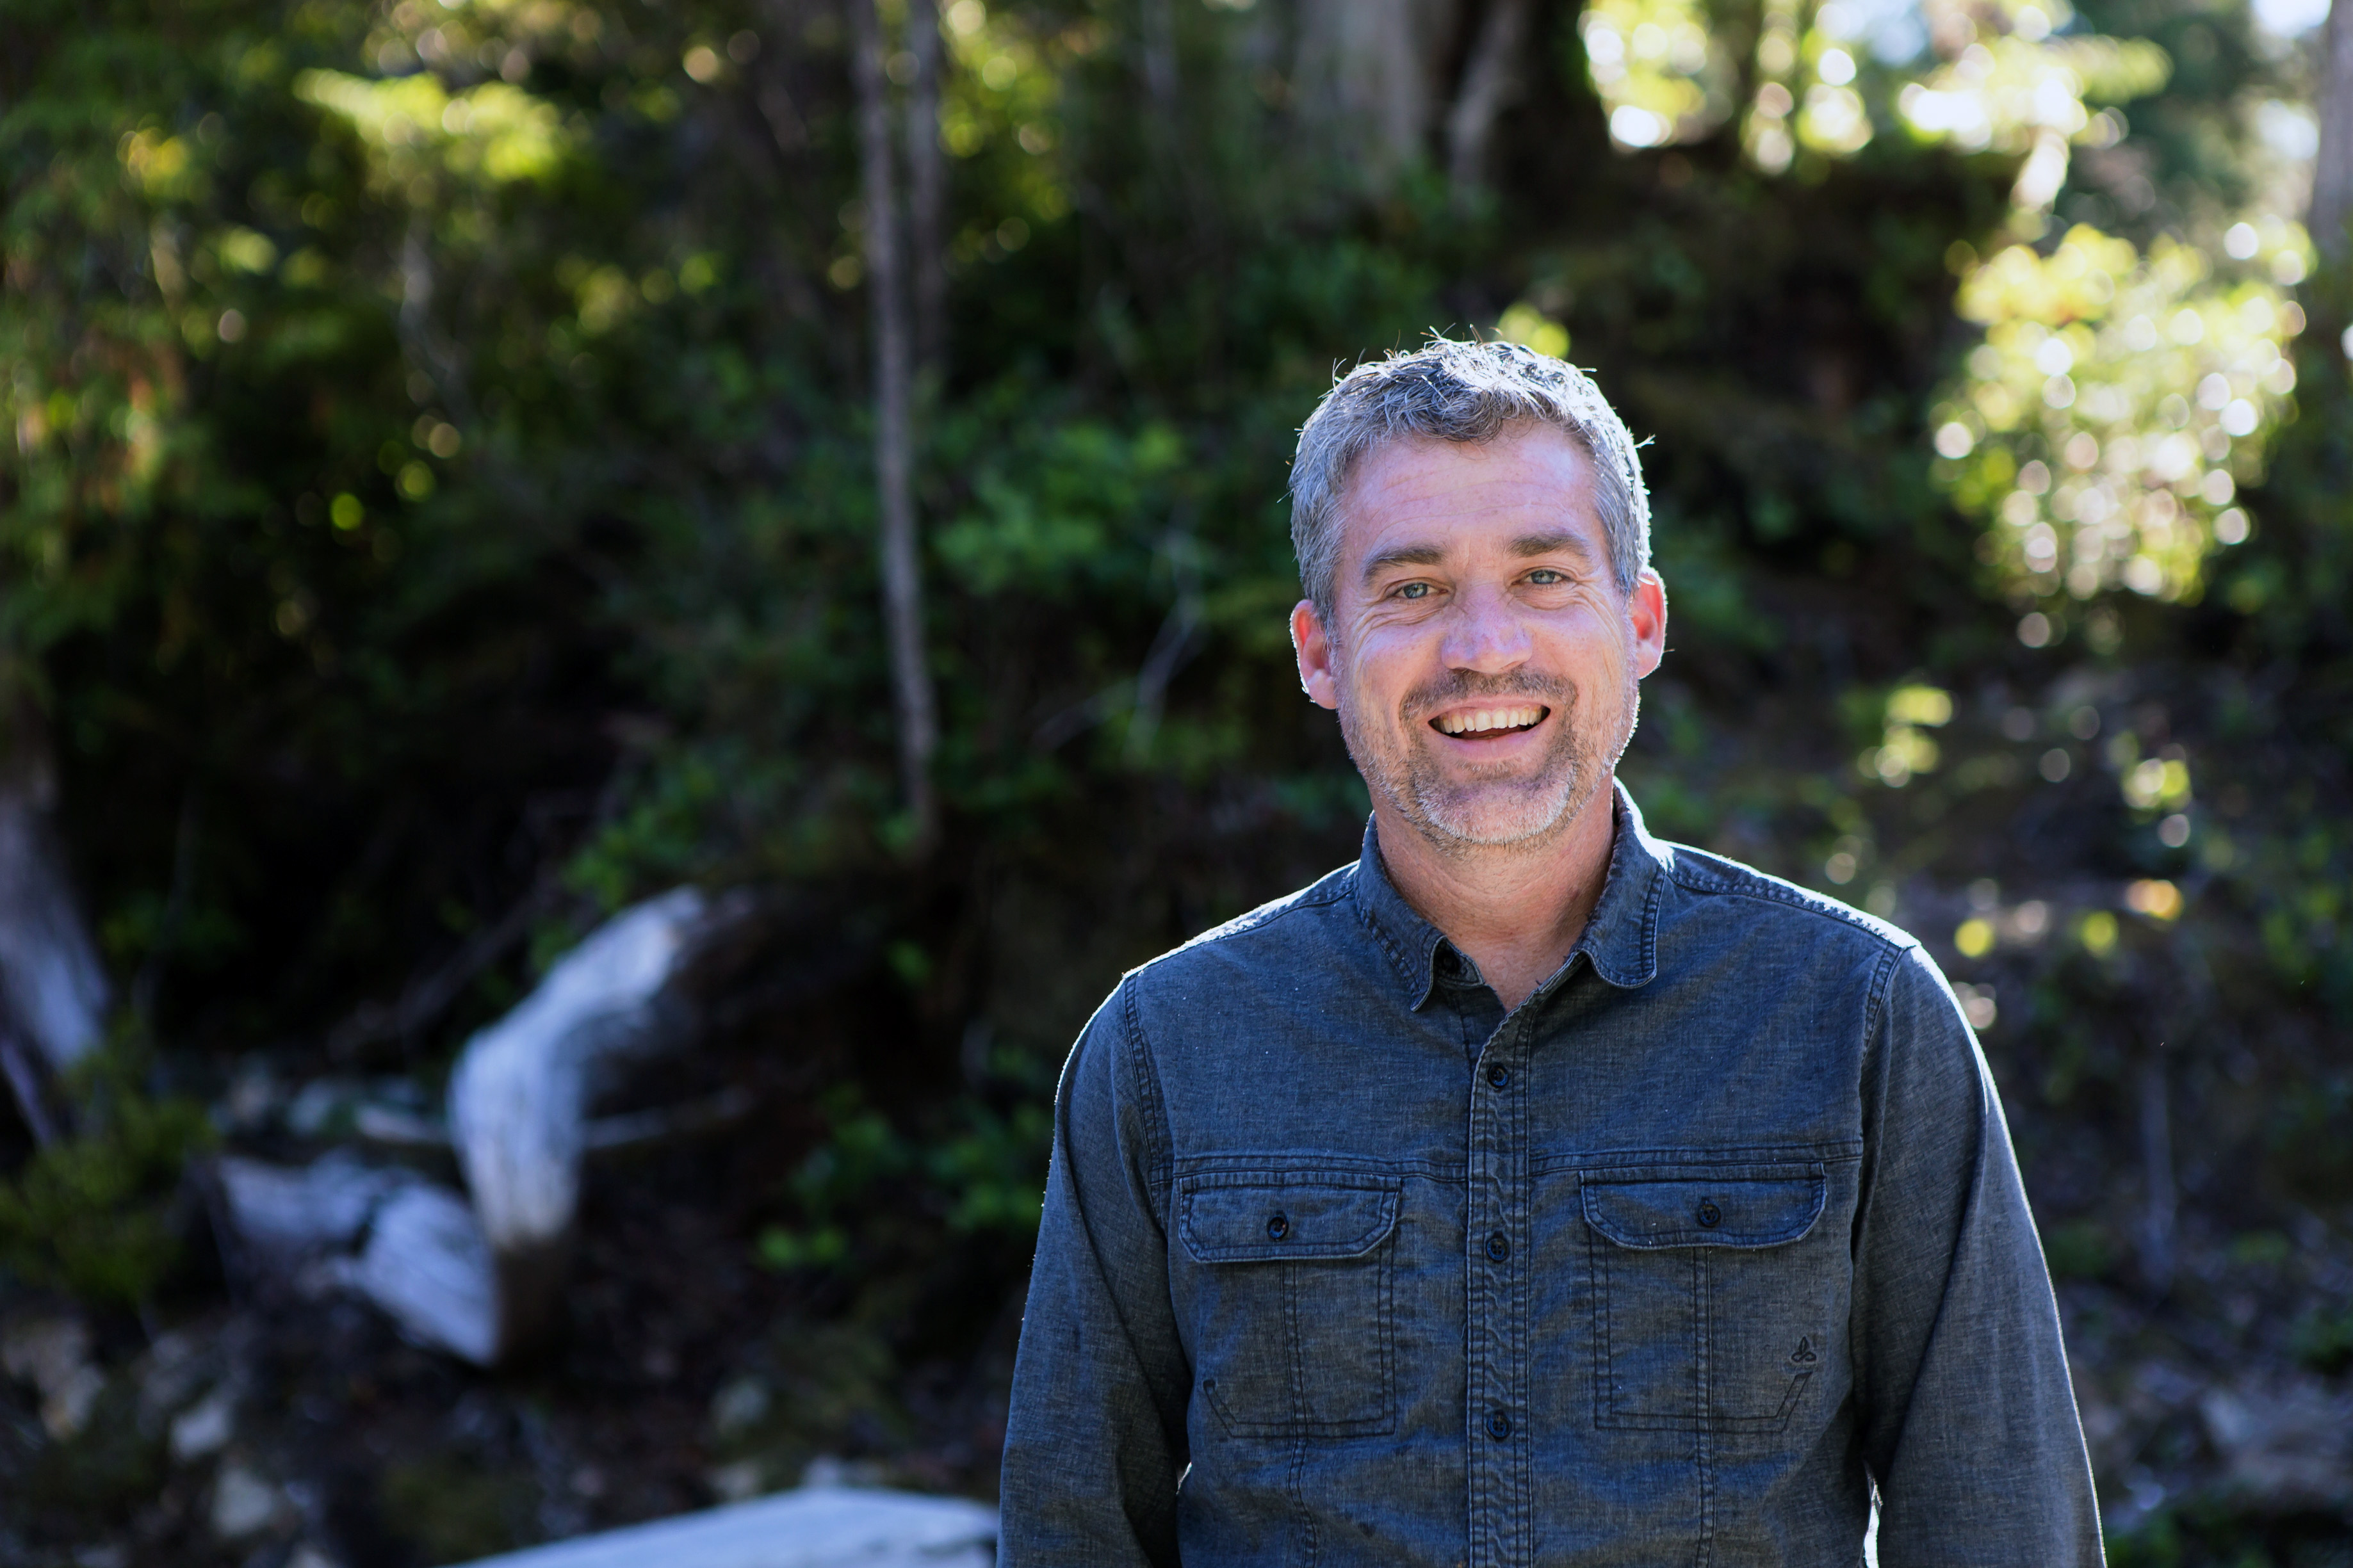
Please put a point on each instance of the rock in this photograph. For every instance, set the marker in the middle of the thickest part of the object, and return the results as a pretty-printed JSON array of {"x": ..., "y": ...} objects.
[
  {"x": 204, "y": 1428},
  {"x": 322, "y": 1107},
  {"x": 244, "y": 1503},
  {"x": 427, "y": 1265},
  {"x": 811, "y": 1527},
  {"x": 52, "y": 1353},
  {"x": 2286, "y": 1444},
  {"x": 175, "y": 1367},
  {"x": 740, "y": 1403},
  {"x": 737, "y": 1482},
  {"x": 523, "y": 1087}
]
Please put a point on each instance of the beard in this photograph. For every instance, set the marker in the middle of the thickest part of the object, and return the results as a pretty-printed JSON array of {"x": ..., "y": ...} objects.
[{"x": 1460, "y": 809}]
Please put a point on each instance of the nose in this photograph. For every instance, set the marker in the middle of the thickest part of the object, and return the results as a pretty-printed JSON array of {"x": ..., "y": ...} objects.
[{"x": 1486, "y": 633}]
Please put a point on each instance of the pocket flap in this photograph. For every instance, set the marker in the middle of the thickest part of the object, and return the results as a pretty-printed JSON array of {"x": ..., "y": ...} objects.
[
  {"x": 1696, "y": 1209},
  {"x": 1224, "y": 1220}
]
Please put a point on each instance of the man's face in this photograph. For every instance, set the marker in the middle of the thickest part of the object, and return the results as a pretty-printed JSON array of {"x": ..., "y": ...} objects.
[{"x": 1482, "y": 659}]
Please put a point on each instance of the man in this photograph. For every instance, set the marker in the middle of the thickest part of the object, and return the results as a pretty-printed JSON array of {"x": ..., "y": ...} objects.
[{"x": 1531, "y": 1191}]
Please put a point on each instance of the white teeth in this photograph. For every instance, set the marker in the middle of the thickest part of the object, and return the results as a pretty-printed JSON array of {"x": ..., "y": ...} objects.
[{"x": 1485, "y": 719}]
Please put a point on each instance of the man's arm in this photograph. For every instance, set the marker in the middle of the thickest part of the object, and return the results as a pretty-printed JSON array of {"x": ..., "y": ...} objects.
[
  {"x": 1969, "y": 1420},
  {"x": 1095, "y": 1440}
]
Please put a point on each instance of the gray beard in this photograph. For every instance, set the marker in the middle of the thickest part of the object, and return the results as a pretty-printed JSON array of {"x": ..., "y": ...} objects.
[{"x": 1457, "y": 819}]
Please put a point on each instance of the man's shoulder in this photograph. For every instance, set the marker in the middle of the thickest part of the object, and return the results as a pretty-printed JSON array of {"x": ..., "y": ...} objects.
[
  {"x": 1273, "y": 933},
  {"x": 1712, "y": 883}
]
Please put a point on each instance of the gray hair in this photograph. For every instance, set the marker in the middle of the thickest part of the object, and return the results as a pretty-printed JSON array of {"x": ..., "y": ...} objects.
[{"x": 1452, "y": 391}]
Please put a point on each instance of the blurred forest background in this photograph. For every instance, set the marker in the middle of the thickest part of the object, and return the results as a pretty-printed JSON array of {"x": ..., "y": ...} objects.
[{"x": 476, "y": 465}]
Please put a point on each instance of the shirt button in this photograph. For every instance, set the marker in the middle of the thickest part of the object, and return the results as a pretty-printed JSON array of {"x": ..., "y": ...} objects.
[
  {"x": 1499, "y": 1425},
  {"x": 1709, "y": 1214},
  {"x": 1278, "y": 1228},
  {"x": 1498, "y": 1076},
  {"x": 1499, "y": 1247}
]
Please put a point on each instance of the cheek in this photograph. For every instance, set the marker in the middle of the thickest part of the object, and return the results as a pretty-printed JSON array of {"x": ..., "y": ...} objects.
[{"x": 1379, "y": 660}]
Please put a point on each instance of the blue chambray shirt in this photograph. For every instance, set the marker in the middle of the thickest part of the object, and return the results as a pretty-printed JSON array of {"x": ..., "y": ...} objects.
[{"x": 1720, "y": 1229}]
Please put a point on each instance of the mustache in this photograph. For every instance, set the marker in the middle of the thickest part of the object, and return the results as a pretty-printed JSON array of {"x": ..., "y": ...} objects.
[{"x": 1465, "y": 686}]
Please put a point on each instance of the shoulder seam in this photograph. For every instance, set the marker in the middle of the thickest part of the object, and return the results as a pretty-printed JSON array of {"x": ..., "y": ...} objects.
[
  {"x": 1749, "y": 884},
  {"x": 1155, "y": 1106},
  {"x": 1876, "y": 1001}
]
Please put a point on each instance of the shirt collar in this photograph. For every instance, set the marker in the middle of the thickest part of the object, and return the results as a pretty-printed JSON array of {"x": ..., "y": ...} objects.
[{"x": 1620, "y": 941}]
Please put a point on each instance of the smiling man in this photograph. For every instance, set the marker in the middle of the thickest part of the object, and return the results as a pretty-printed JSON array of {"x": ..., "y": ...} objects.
[{"x": 1532, "y": 1191}]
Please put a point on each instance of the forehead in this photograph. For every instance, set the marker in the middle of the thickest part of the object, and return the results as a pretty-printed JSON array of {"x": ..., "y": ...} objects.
[{"x": 1465, "y": 497}]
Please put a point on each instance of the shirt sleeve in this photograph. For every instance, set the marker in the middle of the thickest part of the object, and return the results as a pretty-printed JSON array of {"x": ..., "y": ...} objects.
[
  {"x": 1967, "y": 1417},
  {"x": 1095, "y": 1439}
]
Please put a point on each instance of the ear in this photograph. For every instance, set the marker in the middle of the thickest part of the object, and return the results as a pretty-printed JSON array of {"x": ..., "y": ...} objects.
[
  {"x": 1313, "y": 649},
  {"x": 1646, "y": 615}
]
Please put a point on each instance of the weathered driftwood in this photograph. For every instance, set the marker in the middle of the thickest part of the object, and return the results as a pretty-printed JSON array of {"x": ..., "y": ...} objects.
[
  {"x": 812, "y": 1528},
  {"x": 284, "y": 1214},
  {"x": 427, "y": 1265},
  {"x": 522, "y": 1089},
  {"x": 411, "y": 1246},
  {"x": 53, "y": 993}
]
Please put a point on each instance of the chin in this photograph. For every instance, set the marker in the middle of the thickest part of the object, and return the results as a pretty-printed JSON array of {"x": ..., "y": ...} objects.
[{"x": 1493, "y": 824}]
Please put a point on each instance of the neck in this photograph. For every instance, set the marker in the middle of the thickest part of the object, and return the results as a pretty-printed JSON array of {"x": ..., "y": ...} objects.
[{"x": 1516, "y": 910}]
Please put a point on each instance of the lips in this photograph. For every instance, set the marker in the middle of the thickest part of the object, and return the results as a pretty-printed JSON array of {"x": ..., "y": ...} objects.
[{"x": 1481, "y": 723}]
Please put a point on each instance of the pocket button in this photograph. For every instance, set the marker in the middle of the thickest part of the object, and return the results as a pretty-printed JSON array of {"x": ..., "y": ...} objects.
[
  {"x": 1710, "y": 1215},
  {"x": 1499, "y": 1247},
  {"x": 1277, "y": 1228}
]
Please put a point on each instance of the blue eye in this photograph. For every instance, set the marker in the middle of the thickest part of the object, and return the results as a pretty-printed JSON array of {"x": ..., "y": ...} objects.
[
  {"x": 1545, "y": 576},
  {"x": 1413, "y": 591}
]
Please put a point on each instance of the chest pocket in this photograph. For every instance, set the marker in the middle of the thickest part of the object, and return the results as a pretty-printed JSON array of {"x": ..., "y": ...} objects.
[
  {"x": 1711, "y": 1312},
  {"x": 1290, "y": 1302}
]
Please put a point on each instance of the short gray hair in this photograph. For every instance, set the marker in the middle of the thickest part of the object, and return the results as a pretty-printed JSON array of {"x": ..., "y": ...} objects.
[{"x": 1452, "y": 391}]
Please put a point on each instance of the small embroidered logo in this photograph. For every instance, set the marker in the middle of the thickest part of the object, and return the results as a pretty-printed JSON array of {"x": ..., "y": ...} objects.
[{"x": 1804, "y": 1354}]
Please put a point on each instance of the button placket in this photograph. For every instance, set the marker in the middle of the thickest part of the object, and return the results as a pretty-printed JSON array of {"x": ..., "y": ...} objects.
[{"x": 1498, "y": 1182}]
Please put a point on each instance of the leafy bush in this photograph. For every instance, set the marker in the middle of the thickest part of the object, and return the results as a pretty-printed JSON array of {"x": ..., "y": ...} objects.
[{"x": 93, "y": 1212}]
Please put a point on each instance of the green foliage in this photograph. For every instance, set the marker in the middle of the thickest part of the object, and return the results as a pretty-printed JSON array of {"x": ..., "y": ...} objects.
[
  {"x": 2221, "y": 1532},
  {"x": 2323, "y": 1340},
  {"x": 93, "y": 1212},
  {"x": 107, "y": 1470},
  {"x": 993, "y": 1171},
  {"x": 455, "y": 1509},
  {"x": 2080, "y": 1250},
  {"x": 865, "y": 1187},
  {"x": 441, "y": 469}
]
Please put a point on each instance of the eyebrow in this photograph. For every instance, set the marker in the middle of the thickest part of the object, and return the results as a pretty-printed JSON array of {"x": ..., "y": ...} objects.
[
  {"x": 1525, "y": 546},
  {"x": 1528, "y": 544},
  {"x": 1402, "y": 555}
]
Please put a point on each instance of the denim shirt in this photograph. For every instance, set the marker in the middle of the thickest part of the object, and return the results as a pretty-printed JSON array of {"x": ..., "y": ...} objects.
[{"x": 1674, "y": 1263}]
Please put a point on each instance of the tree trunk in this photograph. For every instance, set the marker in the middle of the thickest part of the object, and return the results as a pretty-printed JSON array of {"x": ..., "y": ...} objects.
[
  {"x": 1364, "y": 76},
  {"x": 53, "y": 991},
  {"x": 2157, "y": 1175},
  {"x": 927, "y": 191},
  {"x": 2332, "y": 167},
  {"x": 1489, "y": 81},
  {"x": 903, "y": 605}
]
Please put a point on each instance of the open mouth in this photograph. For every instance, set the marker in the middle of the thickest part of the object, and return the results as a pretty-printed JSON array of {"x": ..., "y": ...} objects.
[{"x": 1486, "y": 723}]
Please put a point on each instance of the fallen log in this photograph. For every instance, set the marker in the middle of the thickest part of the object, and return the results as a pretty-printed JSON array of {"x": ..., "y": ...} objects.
[
  {"x": 521, "y": 1093},
  {"x": 816, "y": 1527}
]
